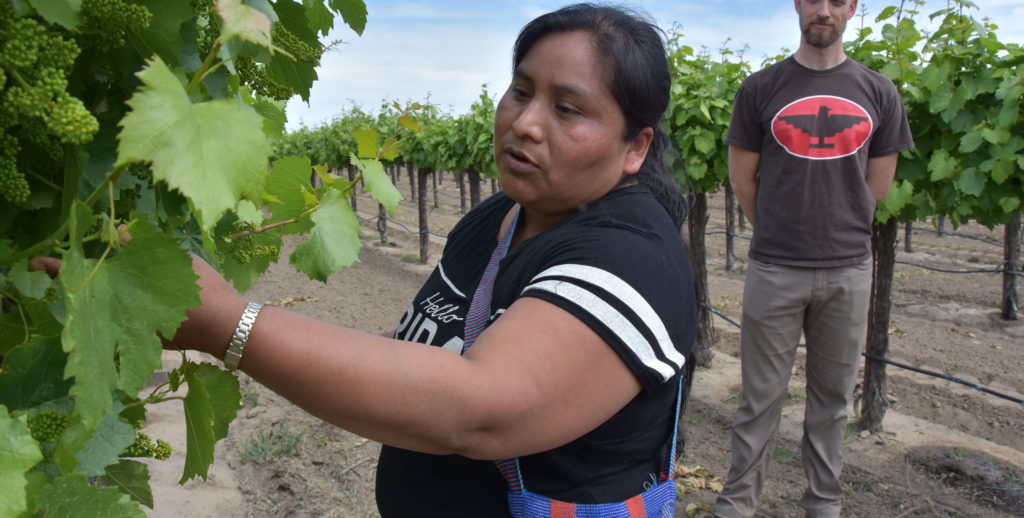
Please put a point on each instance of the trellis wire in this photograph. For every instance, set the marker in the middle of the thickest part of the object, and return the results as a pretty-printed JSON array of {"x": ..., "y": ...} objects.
[{"x": 946, "y": 377}]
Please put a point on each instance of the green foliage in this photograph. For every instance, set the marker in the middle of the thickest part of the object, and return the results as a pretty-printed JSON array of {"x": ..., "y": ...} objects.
[
  {"x": 699, "y": 111},
  {"x": 962, "y": 88},
  {"x": 154, "y": 120}
]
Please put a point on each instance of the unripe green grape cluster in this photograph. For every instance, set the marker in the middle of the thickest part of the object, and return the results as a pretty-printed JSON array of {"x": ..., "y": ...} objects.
[
  {"x": 144, "y": 446},
  {"x": 254, "y": 75},
  {"x": 245, "y": 249},
  {"x": 47, "y": 426},
  {"x": 13, "y": 185},
  {"x": 300, "y": 50},
  {"x": 110, "y": 20},
  {"x": 34, "y": 63}
]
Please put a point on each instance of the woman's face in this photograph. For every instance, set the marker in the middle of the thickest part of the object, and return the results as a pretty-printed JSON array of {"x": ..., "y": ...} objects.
[{"x": 558, "y": 132}]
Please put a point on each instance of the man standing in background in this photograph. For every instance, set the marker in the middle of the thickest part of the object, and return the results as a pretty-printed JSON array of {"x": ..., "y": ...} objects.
[{"x": 813, "y": 144}]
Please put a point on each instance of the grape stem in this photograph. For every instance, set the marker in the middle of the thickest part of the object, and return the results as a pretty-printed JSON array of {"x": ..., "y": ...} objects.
[
  {"x": 271, "y": 226},
  {"x": 206, "y": 68},
  {"x": 58, "y": 235}
]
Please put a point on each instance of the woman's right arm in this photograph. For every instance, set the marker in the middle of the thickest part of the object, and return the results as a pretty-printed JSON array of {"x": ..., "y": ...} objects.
[{"x": 537, "y": 378}]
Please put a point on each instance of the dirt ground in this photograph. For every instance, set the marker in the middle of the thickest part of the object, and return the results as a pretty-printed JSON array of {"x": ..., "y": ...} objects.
[{"x": 946, "y": 449}]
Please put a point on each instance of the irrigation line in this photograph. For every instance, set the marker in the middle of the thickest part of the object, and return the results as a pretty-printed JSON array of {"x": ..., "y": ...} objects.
[
  {"x": 1011, "y": 272},
  {"x": 396, "y": 222},
  {"x": 954, "y": 379},
  {"x": 726, "y": 232},
  {"x": 932, "y": 268},
  {"x": 965, "y": 236},
  {"x": 918, "y": 229}
]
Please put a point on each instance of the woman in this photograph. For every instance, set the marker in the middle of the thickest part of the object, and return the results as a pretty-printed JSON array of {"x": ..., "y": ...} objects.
[{"x": 574, "y": 376}]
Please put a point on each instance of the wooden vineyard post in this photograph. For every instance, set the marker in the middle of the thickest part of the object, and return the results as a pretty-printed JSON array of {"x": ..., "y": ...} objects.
[
  {"x": 908, "y": 235},
  {"x": 1011, "y": 267},
  {"x": 351, "y": 170},
  {"x": 434, "y": 178},
  {"x": 875, "y": 402},
  {"x": 698, "y": 221},
  {"x": 382, "y": 223},
  {"x": 730, "y": 228},
  {"x": 474, "y": 187},
  {"x": 461, "y": 178},
  {"x": 421, "y": 203},
  {"x": 412, "y": 180}
]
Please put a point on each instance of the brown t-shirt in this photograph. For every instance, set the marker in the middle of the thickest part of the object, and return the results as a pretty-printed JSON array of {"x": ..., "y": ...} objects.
[{"x": 815, "y": 131}]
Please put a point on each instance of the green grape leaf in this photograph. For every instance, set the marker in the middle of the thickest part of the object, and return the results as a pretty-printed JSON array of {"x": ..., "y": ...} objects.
[
  {"x": 199, "y": 428},
  {"x": 33, "y": 374},
  {"x": 225, "y": 396},
  {"x": 287, "y": 183},
  {"x": 36, "y": 483},
  {"x": 250, "y": 213},
  {"x": 297, "y": 76},
  {"x": 941, "y": 165},
  {"x": 121, "y": 302},
  {"x": 105, "y": 445},
  {"x": 900, "y": 195},
  {"x": 334, "y": 241},
  {"x": 73, "y": 496},
  {"x": 28, "y": 283},
  {"x": 377, "y": 183},
  {"x": 186, "y": 143},
  {"x": 319, "y": 16},
  {"x": 1001, "y": 170},
  {"x": 293, "y": 17},
  {"x": 970, "y": 142},
  {"x": 1009, "y": 204},
  {"x": 163, "y": 34},
  {"x": 18, "y": 453},
  {"x": 971, "y": 181},
  {"x": 274, "y": 117},
  {"x": 996, "y": 135},
  {"x": 353, "y": 12},
  {"x": 131, "y": 478},
  {"x": 408, "y": 122},
  {"x": 202, "y": 421},
  {"x": 65, "y": 454},
  {"x": 366, "y": 143},
  {"x": 67, "y": 13},
  {"x": 245, "y": 22}
]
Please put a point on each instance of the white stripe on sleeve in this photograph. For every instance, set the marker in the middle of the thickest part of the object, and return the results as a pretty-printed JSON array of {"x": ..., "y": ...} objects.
[{"x": 610, "y": 317}]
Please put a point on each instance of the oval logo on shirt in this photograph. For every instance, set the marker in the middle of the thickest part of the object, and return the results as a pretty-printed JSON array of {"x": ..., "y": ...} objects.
[{"x": 822, "y": 127}]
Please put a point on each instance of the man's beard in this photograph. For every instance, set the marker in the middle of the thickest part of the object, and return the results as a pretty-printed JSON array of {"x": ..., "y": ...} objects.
[{"x": 825, "y": 39}]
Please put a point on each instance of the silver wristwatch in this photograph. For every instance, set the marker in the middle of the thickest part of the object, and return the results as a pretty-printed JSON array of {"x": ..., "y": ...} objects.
[{"x": 241, "y": 335}]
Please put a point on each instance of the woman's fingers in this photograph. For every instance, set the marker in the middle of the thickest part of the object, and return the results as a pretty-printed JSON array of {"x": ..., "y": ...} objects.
[{"x": 50, "y": 265}]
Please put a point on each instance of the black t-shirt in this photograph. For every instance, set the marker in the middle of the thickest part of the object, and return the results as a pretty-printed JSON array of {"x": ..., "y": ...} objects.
[{"x": 619, "y": 266}]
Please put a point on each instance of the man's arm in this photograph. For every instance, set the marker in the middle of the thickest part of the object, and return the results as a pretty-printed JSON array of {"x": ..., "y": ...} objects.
[
  {"x": 881, "y": 171},
  {"x": 743, "y": 177}
]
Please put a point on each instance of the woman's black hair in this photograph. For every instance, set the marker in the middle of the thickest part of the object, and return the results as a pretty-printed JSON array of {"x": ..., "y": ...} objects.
[{"x": 638, "y": 78}]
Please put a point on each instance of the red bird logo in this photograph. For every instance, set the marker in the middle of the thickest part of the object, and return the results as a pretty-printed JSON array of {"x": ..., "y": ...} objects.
[{"x": 822, "y": 127}]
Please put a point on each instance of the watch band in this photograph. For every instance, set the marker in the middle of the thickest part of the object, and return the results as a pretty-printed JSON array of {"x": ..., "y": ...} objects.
[{"x": 241, "y": 335}]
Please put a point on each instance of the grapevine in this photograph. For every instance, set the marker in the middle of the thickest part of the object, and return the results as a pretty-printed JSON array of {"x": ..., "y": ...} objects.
[{"x": 152, "y": 119}]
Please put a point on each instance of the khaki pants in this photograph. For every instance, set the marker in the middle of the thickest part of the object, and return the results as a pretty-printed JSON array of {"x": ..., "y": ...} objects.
[{"x": 830, "y": 306}]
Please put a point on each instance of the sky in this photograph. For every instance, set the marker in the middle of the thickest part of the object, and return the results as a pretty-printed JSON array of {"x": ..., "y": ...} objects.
[{"x": 443, "y": 51}]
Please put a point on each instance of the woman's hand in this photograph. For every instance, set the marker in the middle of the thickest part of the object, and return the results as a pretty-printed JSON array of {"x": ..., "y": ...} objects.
[
  {"x": 209, "y": 326},
  {"x": 50, "y": 265}
]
